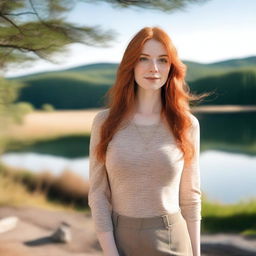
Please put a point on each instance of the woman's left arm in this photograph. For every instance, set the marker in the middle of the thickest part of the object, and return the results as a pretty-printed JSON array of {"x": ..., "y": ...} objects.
[
  {"x": 194, "y": 229},
  {"x": 190, "y": 192}
]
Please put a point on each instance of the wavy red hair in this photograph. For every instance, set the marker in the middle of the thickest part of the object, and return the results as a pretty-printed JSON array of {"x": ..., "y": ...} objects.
[{"x": 175, "y": 95}]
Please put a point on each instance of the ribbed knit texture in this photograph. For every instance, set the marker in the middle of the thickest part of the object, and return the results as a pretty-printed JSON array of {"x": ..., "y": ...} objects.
[{"x": 142, "y": 183}]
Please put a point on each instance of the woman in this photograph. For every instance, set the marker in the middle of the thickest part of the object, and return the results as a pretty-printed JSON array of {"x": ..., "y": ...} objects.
[{"x": 144, "y": 194}]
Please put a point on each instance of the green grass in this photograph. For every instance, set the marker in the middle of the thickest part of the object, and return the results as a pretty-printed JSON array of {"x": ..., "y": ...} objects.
[{"x": 231, "y": 218}]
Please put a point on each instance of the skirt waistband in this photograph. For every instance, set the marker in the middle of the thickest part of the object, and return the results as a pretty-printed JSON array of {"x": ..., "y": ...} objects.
[{"x": 165, "y": 220}]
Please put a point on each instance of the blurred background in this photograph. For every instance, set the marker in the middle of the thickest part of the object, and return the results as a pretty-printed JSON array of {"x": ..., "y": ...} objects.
[{"x": 59, "y": 58}]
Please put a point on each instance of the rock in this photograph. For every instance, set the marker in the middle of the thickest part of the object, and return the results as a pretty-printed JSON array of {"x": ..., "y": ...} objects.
[
  {"x": 8, "y": 223},
  {"x": 62, "y": 234}
]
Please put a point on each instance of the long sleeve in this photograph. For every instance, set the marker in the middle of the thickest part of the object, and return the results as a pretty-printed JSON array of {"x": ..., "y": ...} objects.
[
  {"x": 190, "y": 192},
  {"x": 99, "y": 196}
]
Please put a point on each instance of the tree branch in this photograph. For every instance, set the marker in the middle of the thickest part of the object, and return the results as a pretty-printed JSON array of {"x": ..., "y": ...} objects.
[
  {"x": 11, "y": 22},
  {"x": 2, "y": 59},
  {"x": 43, "y": 22},
  {"x": 18, "y": 14},
  {"x": 22, "y": 48},
  {"x": 35, "y": 11}
]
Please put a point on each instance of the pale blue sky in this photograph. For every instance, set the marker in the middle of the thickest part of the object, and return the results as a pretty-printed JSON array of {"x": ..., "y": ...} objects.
[{"x": 209, "y": 32}]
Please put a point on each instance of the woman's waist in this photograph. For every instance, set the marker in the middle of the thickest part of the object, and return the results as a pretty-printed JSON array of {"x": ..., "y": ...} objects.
[
  {"x": 142, "y": 210},
  {"x": 160, "y": 220}
]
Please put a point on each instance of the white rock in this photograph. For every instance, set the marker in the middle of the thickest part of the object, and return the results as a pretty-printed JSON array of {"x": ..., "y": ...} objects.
[{"x": 8, "y": 223}]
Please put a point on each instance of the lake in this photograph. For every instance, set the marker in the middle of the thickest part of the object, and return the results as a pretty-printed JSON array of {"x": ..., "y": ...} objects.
[{"x": 227, "y": 159}]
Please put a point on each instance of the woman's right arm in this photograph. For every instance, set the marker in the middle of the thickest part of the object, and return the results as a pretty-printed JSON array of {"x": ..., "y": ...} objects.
[
  {"x": 99, "y": 195},
  {"x": 107, "y": 243}
]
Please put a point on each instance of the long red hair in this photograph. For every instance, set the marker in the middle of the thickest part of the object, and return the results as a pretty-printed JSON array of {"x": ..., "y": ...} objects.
[{"x": 175, "y": 95}]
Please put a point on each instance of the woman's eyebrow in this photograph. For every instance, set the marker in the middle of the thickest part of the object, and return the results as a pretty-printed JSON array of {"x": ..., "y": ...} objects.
[{"x": 162, "y": 55}]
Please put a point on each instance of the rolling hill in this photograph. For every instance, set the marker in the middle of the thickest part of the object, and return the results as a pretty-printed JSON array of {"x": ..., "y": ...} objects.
[{"x": 85, "y": 86}]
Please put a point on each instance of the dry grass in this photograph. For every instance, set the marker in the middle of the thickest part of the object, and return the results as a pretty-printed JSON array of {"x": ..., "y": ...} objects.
[
  {"x": 224, "y": 108},
  {"x": 13, "y": 193},
  {"x": 40, "y": 125},
  {"x": 18, "y": 187},
  {"x": 71, "y": 184}
]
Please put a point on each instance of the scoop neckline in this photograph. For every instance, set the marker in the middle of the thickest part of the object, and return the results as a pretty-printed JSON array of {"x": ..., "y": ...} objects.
[{"x": 145, "y": 125}]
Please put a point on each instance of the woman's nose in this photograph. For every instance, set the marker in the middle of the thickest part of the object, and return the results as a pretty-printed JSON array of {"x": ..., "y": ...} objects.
[{"x": 153, "y": 66}]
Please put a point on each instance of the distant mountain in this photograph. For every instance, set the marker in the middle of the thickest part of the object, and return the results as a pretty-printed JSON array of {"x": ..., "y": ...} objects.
[
  {"x": 198, "y": 70},
  {"x": 85, "y": 86},
  {"x": 243, "y": 62},
  {"x": 91, "y": 73}
]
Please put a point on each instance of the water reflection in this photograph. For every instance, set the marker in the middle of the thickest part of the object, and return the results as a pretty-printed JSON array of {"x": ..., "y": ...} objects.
[
  {"x": 228, "y": 177},
  {"x": 233, "y": 132},
  {"x": 225, "y": 177},
  {"x": 40, "y": 162},
  {"x": 228, "y": 153}
]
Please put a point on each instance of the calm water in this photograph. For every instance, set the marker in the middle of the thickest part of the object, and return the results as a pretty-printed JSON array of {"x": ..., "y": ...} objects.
[{"x": 227, "y": 161}]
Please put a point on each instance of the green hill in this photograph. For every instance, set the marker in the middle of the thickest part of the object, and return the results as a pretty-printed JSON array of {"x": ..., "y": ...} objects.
[
  {"x": 195, "y": 70},
  {"x": 198, "y": 70},
  {"x": 95, "y": 73},
  {"x": 69, "y": 91},
  {"x": 85, "y": 86},
  {"x": 235, "y": 88}
]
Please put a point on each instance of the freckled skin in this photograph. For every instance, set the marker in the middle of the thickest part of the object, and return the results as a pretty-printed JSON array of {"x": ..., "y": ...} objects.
[{"x": 153, "y": 62}]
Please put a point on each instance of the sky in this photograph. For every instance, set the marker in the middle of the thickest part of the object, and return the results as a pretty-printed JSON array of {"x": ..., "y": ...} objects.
[{"x": 208, "y": 32}]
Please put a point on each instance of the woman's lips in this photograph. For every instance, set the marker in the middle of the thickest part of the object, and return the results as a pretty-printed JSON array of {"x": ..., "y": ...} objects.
[{"x": 152, "y": 78}]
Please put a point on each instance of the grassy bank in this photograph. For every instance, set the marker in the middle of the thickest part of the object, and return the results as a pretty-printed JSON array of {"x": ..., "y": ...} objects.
[
  {"x": 70, "y": 192},
  {"x": 229, "y": 218},
  {"x": 22, "y": 187}
]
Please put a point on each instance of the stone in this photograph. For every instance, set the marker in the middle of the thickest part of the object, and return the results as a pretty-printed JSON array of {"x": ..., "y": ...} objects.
[
  {"x": 62, "y": 234},
  {"x": 8, "y": 223}
]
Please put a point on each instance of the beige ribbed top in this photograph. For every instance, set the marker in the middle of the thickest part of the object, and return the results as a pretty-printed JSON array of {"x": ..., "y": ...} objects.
[{"x": 142, "y": 183}]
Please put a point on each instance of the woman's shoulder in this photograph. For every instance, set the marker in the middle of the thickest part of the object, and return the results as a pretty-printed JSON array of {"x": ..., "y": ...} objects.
[
  {"x": 101, "y": 116},
  {"x": 194, "y": 122}
]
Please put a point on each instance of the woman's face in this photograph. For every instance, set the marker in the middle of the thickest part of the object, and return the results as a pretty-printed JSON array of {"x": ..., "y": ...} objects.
[{"x": 151, "y": 70}]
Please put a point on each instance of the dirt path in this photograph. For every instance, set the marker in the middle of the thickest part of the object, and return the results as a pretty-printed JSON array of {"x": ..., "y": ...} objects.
[
  {"x": 35, "y": 225},
  {"x": 31, "y": 236}
]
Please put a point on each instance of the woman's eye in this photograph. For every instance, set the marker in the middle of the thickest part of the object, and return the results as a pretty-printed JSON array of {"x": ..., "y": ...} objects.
[
  {"x": 163, "y": 60},
  {"x": 142, "y": 59}
]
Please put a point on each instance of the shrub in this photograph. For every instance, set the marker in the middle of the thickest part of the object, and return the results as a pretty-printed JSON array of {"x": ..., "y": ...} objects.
[{"x": 47, "y": 107}]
